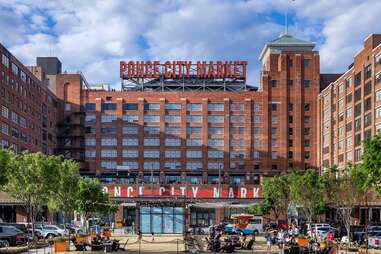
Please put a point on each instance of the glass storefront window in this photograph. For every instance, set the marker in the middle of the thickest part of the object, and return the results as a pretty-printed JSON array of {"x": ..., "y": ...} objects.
[{"x": 160, "y": 220}]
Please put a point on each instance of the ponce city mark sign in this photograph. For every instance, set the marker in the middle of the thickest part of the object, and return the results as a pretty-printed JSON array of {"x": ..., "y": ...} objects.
[
  {"x": 193, "y": 191},
  {"x": 183, "y": 69}
]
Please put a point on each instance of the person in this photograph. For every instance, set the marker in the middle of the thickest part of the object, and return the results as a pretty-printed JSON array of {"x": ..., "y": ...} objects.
[
  {"x": 330, "y": 236},
  {"x": 97, "y": 230},
  {"x": 140, "y": 235},
  {"x": 281, "y": 239},
  {"x": 268, "y": 238},
  {"x": 152, "y": 236}
]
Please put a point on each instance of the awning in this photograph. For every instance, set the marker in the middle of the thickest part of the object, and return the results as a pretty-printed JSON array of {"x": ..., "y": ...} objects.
[{"x": 132, "y": 204}]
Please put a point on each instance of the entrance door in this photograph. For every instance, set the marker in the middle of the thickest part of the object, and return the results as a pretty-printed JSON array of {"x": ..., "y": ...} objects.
[
  {"x": 129, "y": 216},
  {"x": 162, "y": 219}
]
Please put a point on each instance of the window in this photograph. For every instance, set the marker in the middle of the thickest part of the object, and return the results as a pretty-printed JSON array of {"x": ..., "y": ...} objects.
[
  {"x": 172, "y": 130},
  {"x": 274, "y": 120},
  {"x": 358, "y": 139},
  {"x": 349, "y": 156},
  {"x": 194, "y": 165},
  {"x": 130, "y": 130},
  {"x": 274, "y": 130},
  {"x": 256, "y": 155},
  {"x": 130, "y": 106},
  {"x": 307, "y": 83},
  {"x": 358, "y": 110},
  {"x": 290, "y": 107},
  {"x": 216, "y": 119},
  {"x": 90, "y": 129},
  {"x": 306, "y": 62},
  {"x": 368, "y": 134},
  {"x": 131, "y": 164},
  {"x": 151, "y": 130},
  {"x": 130, "y": 118},
  {"x": 151, "y": 154},
  {"x": 215, "y": 154},
  {"x": 378, "y": 112},
  {"x": 274, "y": 142},
  {"x": 5, "y": 128},
  {"x": 194, "y": 118},
  {"x": 349, "y": 112},
  {"x": 194, "y": 130},
  {"x": 90, "y": 153},
  {"x": 378, "y": 95},
  {"x": 15, "y": 69},
  {"x": 4, "y": 111},
  {"x": 173, "y": 106},
  {"x": 172, "y": 153},
  {"x": 237, "y": 107},
  {"x": 358, "y": 124},
  {"x": 215, "y": 165},
  {"x": 256, "y": 107},
  {"x": 5, "y": 60},
  {"x": 273, "y": 83},
  {"x": 90, "y": 118},
  {"x": 130, "y": 153},
  {"x": 194, "y": 107},
  {"x": 307, "y": 119},
  {"x": 172, "y": 119},
  {"x": 194, "y": 142},
  {"x": 307, "y": 142},
  {"x": 378, "y": 128},
  {"x": 148, "y": 165},
  {"x": 377, "y": 59},
  {"x": 340, "y": 104},
  {"x": 194, "y": 154},
  {"x": 108, "y": 118},
  {"x": 307, "y": 131},
  {"x": 348, "y": 98},
  {"x": 289, "y": 82},
  {"x": 290, "y": 154},
  {"x": 108, "y": 153},
  {"x": 307, "y": 155},
  {"x": 349, "y": 82},
  {"x": 151, "y": 106},
  {"x": 348, "y": 141},
  {"x": 274, "y": 107},
  {"x": 152, "y": 142},
  {"x": 108, "y": 106},
  {"x": 256, "y": 119},
  {"x": 172, "y": 142},
  {"x": 256, "y": 130},
  {"x": 173, "y": 165},
  {"x": 368, "y": 72},
  {"x": 289, "y": 62},
  {"x": 90, "y": 106},
  {"x": 108, "y": 164},
  {"x": 215, "y": 142},
  {"x": 130, "y": 142},
  {"x": 357, "y": 155},
  {"x": 341, "y": 88},
  {"x": 307, "y": 107},
  {"x": 237, "y": 119},
  {"x": 357, "y": 95},
  {"x": 274, "y": 155},
  {"x": 256, "y": 142},
  {"x": 215, "y": 130},
  {"x": 367, "y": 104},
  {"x": 108, "y": 130},
  {"x": 290, "y": 119},
  {"x": 378, "y": 78},
  {"x": 151, "y": 118},
  {"x": 15, "y": 117},
  {"x": 216, "y": 107},
  {"x": 67, "y": 106},
  {"x": 90, "y": 142},
  {"x": 108, "y": 141},
  {"x": 358, "y": 79}
]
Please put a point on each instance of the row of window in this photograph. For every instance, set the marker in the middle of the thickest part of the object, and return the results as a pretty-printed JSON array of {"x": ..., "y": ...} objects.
[{"x": 234, "y": 107}]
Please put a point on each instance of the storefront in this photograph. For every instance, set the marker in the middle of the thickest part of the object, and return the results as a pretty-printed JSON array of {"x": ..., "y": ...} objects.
[{"x": 162, "y": 219}]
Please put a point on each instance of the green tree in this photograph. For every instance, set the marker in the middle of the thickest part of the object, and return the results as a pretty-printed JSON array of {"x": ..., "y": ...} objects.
[
  {"x": 344, "y": 191},
  {"x": 371, "y": 164},
  {"x": 63, "y": 197},
  {"x": 5, "y": 157},
  {"x": 32, "y": 180},
  {"x": 306, "y": 190},
  {"x": 92, "y": 200},
  {"x": 276, "y": 197}
]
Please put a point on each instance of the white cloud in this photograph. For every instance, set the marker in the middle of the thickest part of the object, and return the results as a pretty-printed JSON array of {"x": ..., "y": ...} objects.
[{"x": 93, "y": 36}]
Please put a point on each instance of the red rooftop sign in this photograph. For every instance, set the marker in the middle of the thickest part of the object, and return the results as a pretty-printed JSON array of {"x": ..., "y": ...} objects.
[{"x": 183, "y": 69}]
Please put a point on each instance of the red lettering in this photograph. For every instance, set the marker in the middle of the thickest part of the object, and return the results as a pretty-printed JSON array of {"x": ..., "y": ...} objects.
[
  {"x": 211, "y": 70},
  {"x": 188, "y": 67},
  {"x": 173, "y": 69},
  {"x": 167, "y": 66},
  {"x": 180, "y": 65},
  {"x": 244, "y": 65},
  {"x": 155, "y": 69},
  {"x": 236, "y": 71},
  {"x": 122, "y": 68},
  {"x": 220, "y": 73},
  {"x": 131, "y": 69},
  {"x": 148, "y": 69},
  {"x": 227, "y": 73},
  {"x": 201, "y": 69}
]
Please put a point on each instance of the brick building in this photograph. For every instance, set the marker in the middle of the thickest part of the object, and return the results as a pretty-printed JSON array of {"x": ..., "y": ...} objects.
[
  {"x": 160, "y": 146},
  {"x": 350, "y": 112}
]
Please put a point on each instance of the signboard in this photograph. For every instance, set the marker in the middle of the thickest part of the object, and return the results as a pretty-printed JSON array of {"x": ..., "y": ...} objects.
[
  {"x": 183, "y": 69},
  {"x": 191, "y": 191}
]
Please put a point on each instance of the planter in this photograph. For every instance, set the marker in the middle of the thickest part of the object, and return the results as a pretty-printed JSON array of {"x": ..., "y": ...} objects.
[
  {"x": 303, "y": 242},
  {"x": 60, "y": 246}
]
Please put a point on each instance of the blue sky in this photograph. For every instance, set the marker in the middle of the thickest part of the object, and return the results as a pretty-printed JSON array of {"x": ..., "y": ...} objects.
[{"x": 93, "y": 36}]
